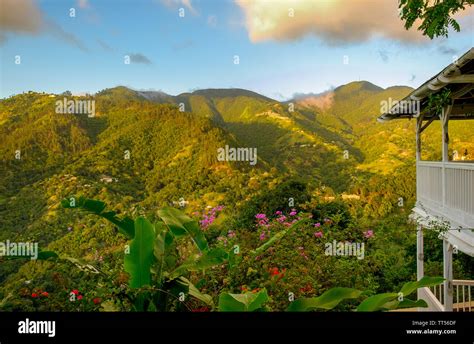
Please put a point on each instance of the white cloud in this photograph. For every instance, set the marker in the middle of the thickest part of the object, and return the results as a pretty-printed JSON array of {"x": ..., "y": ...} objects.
[
  {"x": 21, "y": 16},
  {"x": 25, "y": 17},
  {"x": 334, "y": 21}
]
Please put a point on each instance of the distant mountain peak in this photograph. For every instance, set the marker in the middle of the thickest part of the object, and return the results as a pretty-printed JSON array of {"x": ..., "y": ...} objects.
[
  {"x": 357, "y": 86},
  {"x": 229, "y": 92}
]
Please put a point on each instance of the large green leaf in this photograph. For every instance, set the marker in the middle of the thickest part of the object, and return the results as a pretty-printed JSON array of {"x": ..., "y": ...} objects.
[
  {"x": 125, "y": 224},
  {"x": 426, "y": 281},
  {"x": 159, "y": 249},
  {"x": 407, "y": 303},
  {"x": 388, "y": 301},
  {"x": 207, "y": 260},
  {"x": 328, "y": 300},
  {"x": 181, "y": 225},
  {"x": 194, "y": 292},
  {"x": 376, "y": 302},
  {"x": 247, "y": 302},
  {"x": 140, "y": 258}
]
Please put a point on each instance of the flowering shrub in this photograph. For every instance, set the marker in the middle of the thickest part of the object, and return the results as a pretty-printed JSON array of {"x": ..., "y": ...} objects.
[
  {"x": 282, "y": 252},
  {"x": 208, "y": 216}
]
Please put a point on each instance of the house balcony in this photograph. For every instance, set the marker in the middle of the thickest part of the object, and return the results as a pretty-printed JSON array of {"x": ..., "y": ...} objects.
[
  {"x": 446, "y": 189},
  {"x": 445, "y": 196},
  {"x": 462, "y": 298},
  {"x": 445, "y": 193}
]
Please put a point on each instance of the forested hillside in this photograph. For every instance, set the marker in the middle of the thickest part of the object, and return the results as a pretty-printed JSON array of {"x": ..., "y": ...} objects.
[{"x": 321, "y": 155}]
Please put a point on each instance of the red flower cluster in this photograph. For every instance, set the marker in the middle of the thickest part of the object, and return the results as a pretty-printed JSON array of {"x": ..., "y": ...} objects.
[
  {"x": 76, "y": 292},
  {"x": 39, "y": 293},
  {"x": 307, "y": 288},
  {"x": 244, "y": 289},
  {"x": 275, "y": 272}
]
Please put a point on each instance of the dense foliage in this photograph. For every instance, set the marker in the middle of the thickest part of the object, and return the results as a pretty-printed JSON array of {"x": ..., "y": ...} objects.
[{"x": 323, "y": 176}]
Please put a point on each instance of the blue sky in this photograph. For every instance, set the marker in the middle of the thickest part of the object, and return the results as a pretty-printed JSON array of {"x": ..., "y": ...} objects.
[{"x": 177, "y": 54}]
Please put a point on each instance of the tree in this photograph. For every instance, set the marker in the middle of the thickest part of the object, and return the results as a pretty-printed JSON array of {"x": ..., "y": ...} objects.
[{"x": 435, "y": 16}]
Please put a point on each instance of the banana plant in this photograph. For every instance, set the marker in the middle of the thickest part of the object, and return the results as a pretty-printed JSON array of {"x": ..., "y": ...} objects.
[
  {"x": 246, "y": 302},
  {"x": 379, "y": 302},
  {"x": 157, "y": 280}
]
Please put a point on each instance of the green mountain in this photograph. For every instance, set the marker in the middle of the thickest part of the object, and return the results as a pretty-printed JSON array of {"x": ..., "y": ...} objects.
[{"x": 143, "y": 150}]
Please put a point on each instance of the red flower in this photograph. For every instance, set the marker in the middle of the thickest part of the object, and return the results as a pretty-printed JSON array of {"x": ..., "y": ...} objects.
[
  {"x": 79, "y": 297},
  {"x": 45, "y": 294},
  {"x": 75, "y": 292},
  {"x": 96, "y": 301},
  {"x": 34, "y": 295},
  {"x": 274, "y": 271}
]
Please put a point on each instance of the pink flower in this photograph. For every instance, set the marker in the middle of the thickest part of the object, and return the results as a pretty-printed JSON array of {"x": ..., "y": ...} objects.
[
  {"x": 261, "y": 216},
  {"x": 317, "y": 224},
  {"x": 281, "y": 219},
  {"x": 293, "y": 213},
  {"x": 262, "y": 236},
  {"x": 278, "y": 212},
  {"x": 318, "y": 234},
  {"x": 369, "y": 234}
]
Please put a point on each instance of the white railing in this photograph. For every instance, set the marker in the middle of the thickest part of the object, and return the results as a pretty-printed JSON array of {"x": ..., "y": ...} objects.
[
  {"x": 463, "y": 300},
  {"x": 447, "y": 188},
  {"x": 438, "y": 292}
]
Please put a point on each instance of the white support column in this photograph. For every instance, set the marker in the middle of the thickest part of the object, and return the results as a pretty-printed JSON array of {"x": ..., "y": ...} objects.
[
  {"x": 419, "y": 257},
  {"x": 445, "y": 132},
  {"x": 448, "y": 275},
  {"x": 419, "y": 122},
  {"x": 444, "y": 117},
  {"x": 419, "y": 253}
]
